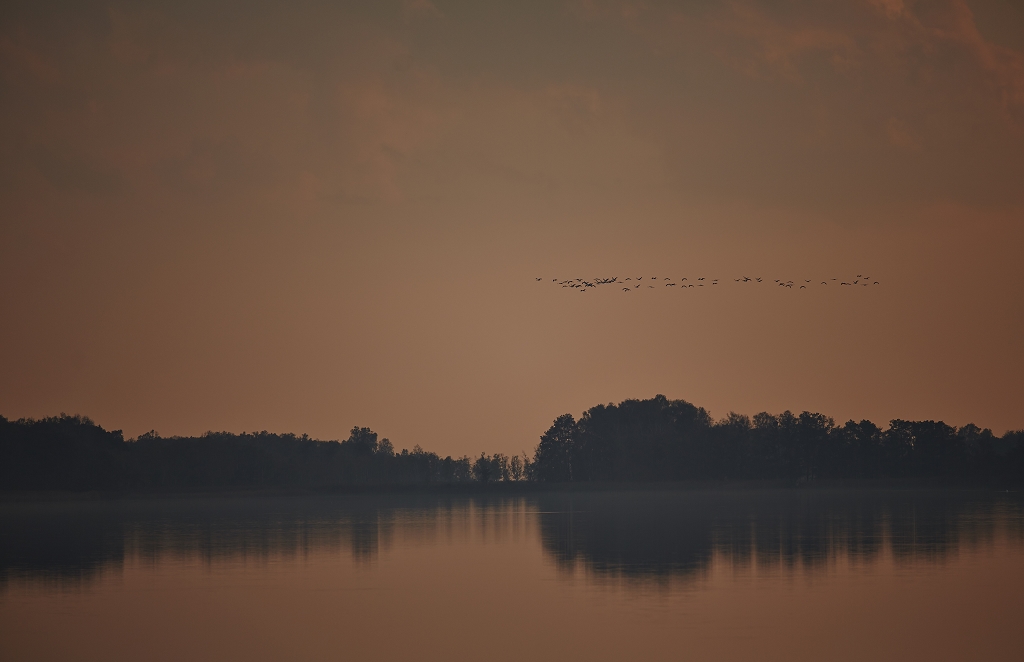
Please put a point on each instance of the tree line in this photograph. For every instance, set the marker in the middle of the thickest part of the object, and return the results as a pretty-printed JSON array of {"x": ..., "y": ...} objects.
[
  {"x": 671, "y": 440},
  {"x": 73, "y": 453},
  {"x": 634, "y": 441}
]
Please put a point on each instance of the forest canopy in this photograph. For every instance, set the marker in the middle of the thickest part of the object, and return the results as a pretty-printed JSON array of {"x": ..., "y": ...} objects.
[
  {"x": 654, "y": 440},
  {"x": 670, "y": 440}
]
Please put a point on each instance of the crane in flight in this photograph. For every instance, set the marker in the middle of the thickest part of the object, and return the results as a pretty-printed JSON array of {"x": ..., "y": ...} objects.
[{"x": 584, "y": 284}]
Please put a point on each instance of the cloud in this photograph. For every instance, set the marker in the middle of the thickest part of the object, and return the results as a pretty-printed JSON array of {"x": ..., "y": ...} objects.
[
  {"x": 792, "y": 42},
  {"x": 899, "y": 134},
  {"x": 70, "y": 172},
  {"x": 590, "y": 10},
  {"x": 954, "y": 22},
  {"x": 735, "y": 99},
  {"x": 417, "y": 10},
  {"x": 382, "y": 125},
  {"x": 574, "y": 102},
  {"x": 891, "y": 8},
  {"x": 17, "y": 56},
  {"x": 217, "y": 168}
]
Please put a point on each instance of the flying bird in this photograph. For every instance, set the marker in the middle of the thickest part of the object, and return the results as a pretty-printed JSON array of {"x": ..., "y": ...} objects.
[{"x": 583, "y": 284}]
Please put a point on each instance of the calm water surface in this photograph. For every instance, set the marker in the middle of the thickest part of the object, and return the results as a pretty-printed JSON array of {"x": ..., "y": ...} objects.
[{"x": 774, "y": 575}]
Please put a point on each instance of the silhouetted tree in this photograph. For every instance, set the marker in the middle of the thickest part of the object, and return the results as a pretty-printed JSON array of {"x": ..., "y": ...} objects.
[
  {"x": 362, "y": 440},
  {"x": 661, "y": 439},
  {"x": 60, "y": 453},
  {"x": 554, "y": 455},
  {"x": 636, "y": 440},
  {"x": 515, "y": 468},
  {"x": 483, "y": 469}
]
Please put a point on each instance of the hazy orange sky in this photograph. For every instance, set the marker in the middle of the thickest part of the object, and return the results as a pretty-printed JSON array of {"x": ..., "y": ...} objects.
[{"x": 306, "y": 216}]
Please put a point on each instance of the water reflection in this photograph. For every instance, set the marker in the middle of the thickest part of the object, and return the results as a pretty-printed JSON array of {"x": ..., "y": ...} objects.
[
  {"x": 650, "y": 535},
  {"x": 631, "y": 535},
  {"x": 72, "y": 543}
]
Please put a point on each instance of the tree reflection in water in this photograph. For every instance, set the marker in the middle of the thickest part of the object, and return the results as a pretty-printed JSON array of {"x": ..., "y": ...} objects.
[
  {"x": 624, "y": 534},
  {"x": 636, "y": 535}
]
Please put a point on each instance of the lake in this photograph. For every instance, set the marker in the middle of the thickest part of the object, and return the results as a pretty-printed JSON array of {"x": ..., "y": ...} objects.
[{"x": 604, "y": 575}]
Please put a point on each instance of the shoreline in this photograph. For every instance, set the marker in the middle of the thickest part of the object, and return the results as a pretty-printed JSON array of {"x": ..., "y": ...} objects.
[{"x": 516, "y": 489}]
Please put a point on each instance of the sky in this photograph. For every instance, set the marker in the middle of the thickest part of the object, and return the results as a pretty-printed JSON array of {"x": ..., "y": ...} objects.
[{"x": 308, "y": 216}]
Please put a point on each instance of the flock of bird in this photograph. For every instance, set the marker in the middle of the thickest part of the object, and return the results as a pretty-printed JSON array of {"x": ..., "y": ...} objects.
[{"x": 640, "y": 282}]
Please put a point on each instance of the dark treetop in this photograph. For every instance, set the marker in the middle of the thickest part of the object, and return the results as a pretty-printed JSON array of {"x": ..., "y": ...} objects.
[
  {"x": 668, "y": 440},
  {"x": 635, "y": 441}
]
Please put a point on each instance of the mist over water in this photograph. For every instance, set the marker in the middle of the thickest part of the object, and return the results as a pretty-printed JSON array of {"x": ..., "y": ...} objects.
[{"x": 579, "y": 575}]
